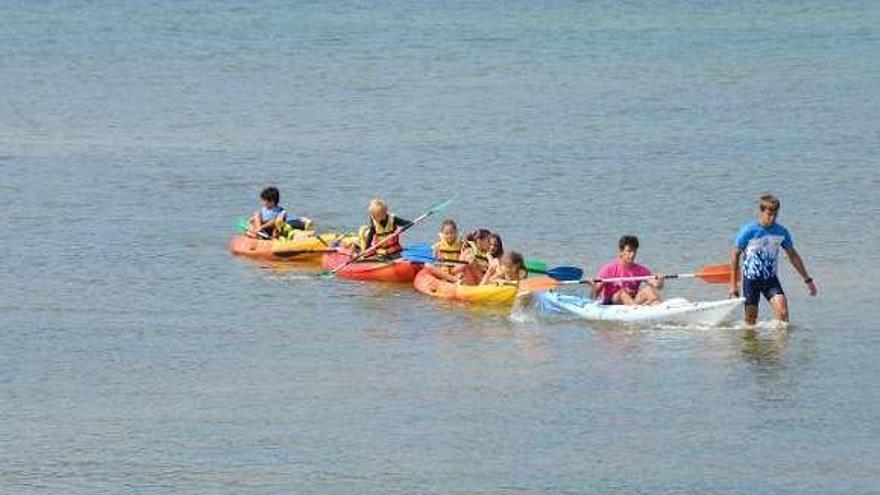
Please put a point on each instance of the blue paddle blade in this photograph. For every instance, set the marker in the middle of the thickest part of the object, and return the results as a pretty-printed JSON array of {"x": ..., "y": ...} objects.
[
  {"x": 418, "y": 250},
  {"x": 565, "y": 273},
  {"x": 418, "y": 259},
  {"x": 422, "y": 248}
]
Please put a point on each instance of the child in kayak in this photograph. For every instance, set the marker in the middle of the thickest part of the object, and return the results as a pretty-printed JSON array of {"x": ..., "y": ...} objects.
[
  {"x": 447, "y": 250},
  {"x": 758, "y": 243},
  {"x": 625, "y": 265},
  {"x": 509, "y": 269},
  {"x": 272, "y": 221},
  {"x": 449, "y": 247},
  {"x": 381, "y": 230},
  {"x": 496, "y": 250},
  {"x": 476, "y": 253}
]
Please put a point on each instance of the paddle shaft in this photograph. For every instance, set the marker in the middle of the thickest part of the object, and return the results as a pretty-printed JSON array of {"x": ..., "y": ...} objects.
[
  {"x": 427, "y": 256},
  {"x": 641, "y": 278},
  {"x": 375, "y": 247}
]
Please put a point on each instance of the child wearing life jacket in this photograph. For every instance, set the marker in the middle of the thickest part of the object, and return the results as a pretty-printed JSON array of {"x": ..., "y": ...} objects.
[
  {"x": 272, "y": 221},
  {"x": 476, "y": 253},
  {"x": 381, "y": 230},
  {"x": 510, "y": 269},
  {"x": 448, "y": 249}
]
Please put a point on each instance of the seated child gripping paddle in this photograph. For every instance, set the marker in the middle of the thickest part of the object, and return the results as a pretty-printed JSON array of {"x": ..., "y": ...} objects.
[
  {"x": 449, "y": 249},
  {"x": 382, "y": 230},
  {"x": 625, "y": 266},
  {"x": 272, "y": 221},
  {"x": 509, "y": 269}
]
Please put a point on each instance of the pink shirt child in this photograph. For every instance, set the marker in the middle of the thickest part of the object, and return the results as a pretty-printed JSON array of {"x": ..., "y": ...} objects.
[{"x": 616, "y": 269}]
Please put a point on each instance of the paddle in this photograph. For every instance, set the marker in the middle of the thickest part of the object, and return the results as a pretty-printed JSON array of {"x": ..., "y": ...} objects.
[
  {"x": 418, "y": 255},
  {"x": 244, "y": 227},
  {"x": 418, "y": 258},
  {"x": 564, "y": 273},
  {"x": 532, "y": 266},
  {"x": 372, "y": 249},
  {"x": 710, "y": 274},
  {"x": 536, "y": 266}
]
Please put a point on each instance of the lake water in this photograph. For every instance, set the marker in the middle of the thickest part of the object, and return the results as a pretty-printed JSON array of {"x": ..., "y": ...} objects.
[{"x": 137, "y": 356}]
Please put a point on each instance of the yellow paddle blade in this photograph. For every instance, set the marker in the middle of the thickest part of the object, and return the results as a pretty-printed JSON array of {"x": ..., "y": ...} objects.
[
  {"x": 537, "y": 284},
  {"x": 714, "y": 274}
]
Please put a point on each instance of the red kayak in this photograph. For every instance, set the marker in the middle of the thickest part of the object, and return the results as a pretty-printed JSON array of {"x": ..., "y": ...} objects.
[{"x": 373, "y": 270}]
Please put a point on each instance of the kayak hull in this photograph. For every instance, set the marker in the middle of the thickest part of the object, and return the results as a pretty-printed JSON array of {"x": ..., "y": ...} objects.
[
  {"x": 427, "y": 283},
  {"x": 304, "y": 249},
  {"x": 676, "y": 311},
  {"x": 397, "y": 271}
]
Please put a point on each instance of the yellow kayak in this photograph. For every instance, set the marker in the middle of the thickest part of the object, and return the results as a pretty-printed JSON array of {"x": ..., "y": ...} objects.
[
  {"x": 427, "y": 283},
  {"x": 309, "y": 248}
]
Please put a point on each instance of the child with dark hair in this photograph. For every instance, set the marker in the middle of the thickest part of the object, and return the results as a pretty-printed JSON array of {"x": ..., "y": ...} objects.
[
  {"x": 272, "y": 221},
  {"x": 476, "y": 253},
  {"x": 625, "y": 265},
  {"x": 449, "y": 247},
  {"x": 496, "y": 247},
  {"x": 510, "y": 268},
  {"x": 447, "y": 250}
]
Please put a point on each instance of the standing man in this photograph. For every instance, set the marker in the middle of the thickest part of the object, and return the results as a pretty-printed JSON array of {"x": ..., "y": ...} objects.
[{"x": 758, "y": 242}]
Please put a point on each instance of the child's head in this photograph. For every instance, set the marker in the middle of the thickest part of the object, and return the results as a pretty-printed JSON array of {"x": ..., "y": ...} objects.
[
  {"x": 378, "y": 209},
  {"x": 481, "y": 238},
  {"x": 270, "y": 196},
  {"x": 512, "y": 264},
  {"x": 628, "y": 248},
  {"x": 496, "y": 247},
  {"x": 449, "y": 231},
  {"x": 768, "y": 208}
]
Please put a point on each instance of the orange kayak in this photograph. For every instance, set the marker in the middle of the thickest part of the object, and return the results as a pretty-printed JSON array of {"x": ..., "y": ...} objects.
[
  {"x": 304, "y": 249},
  {"x": 428, "y": 283},
  {"x": 398, "y": 270}
]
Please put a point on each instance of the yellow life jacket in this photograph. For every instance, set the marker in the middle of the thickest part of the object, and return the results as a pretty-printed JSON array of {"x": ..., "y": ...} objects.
[
  {"x": 481, "y": 258},
  {"x": 380, "y": 232},
  {"x": 448, "y": 252}
]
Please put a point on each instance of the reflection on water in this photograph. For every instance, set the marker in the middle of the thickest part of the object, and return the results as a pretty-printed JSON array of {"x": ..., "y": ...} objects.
[
  {"x": 764, "y": 346},
  {"x": 532, "y": 345}
]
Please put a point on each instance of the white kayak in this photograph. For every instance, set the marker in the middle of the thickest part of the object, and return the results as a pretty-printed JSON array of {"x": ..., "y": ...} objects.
[{"x": 678, "y": 311}]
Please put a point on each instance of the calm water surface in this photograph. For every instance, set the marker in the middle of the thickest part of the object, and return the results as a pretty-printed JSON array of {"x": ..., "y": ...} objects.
[{"x": 137, "y": 356}]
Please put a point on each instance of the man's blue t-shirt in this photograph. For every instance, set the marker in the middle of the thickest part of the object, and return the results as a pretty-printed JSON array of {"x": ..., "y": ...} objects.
[{"x": 760, "y": 247}]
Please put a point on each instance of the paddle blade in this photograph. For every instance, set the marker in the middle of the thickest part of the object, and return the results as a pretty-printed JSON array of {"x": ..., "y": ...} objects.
[
  {"x": 417, "y": 257},
  {"x": 242, "y": 225},
  {"x": 537, "y": 284},
  {"x": 419, "y": 250},
  {"x": 536, "y": 266},
  {"x": 442, "y": 206},
  {"x": 714, "y": 274},
  {"x": 565, "y": 273}
]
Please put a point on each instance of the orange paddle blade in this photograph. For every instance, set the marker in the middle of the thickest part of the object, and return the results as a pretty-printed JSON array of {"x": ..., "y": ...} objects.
[
  {"x": 714, "y": 274},
  {"x": 537, "y": 284}
]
